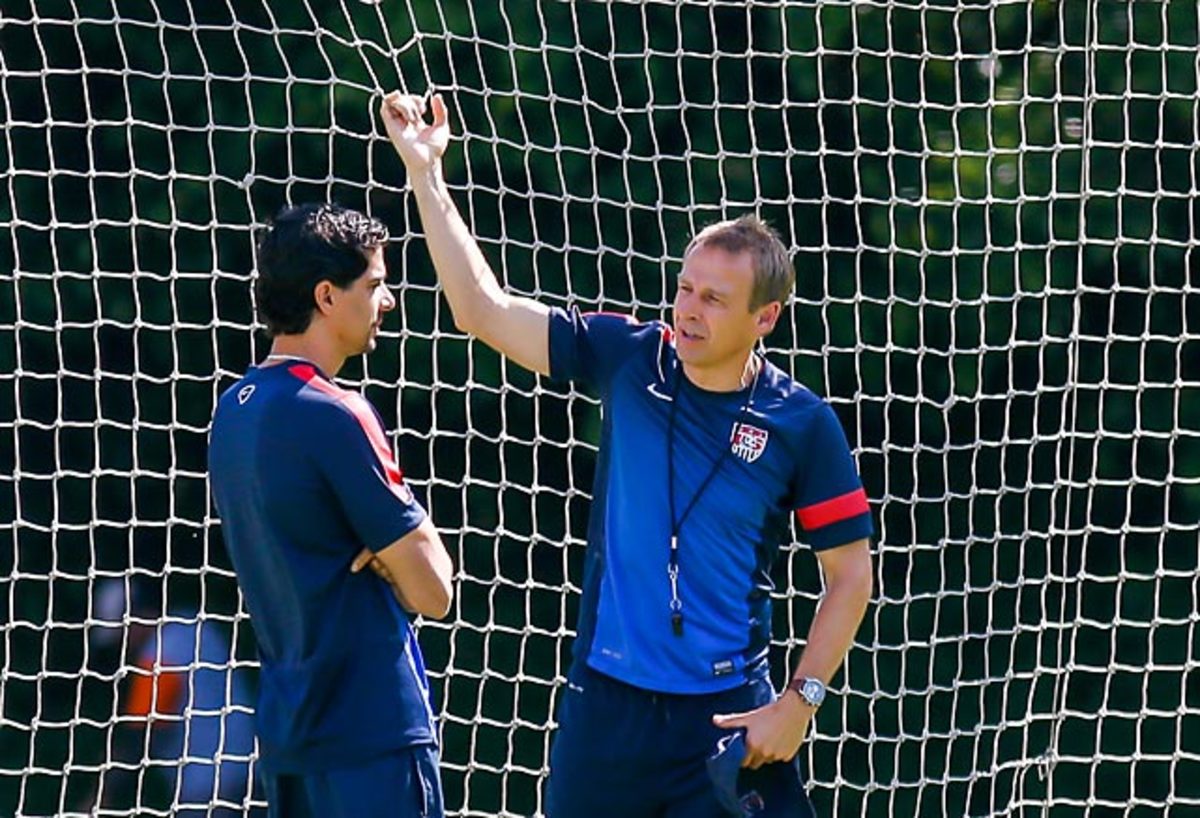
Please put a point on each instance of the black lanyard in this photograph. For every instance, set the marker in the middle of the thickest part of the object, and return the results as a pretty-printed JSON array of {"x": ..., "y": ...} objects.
[{"x": 676, "y": 604}]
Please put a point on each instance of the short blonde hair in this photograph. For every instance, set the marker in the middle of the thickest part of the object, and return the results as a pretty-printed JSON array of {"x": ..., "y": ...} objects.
[{"x": 774, "y": 276}]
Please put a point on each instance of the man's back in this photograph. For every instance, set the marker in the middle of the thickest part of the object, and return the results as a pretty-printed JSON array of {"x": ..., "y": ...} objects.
[{"x": 303, "y": 480}]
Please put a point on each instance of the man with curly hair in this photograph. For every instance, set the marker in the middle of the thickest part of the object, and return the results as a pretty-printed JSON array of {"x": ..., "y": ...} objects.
[{"x": 310, "y": 493}]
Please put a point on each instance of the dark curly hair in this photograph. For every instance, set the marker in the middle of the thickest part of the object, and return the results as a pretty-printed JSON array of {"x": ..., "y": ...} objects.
[{"x": 303, "y": 246}]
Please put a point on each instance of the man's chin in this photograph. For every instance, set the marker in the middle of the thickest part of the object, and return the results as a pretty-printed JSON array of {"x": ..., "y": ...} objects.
[{"x": 688, "y": 353}]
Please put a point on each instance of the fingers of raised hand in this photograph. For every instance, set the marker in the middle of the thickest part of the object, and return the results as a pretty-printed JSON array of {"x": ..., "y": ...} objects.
[
  {"x": 440, "y": 115},
  {"x": 408, "y": 107}
]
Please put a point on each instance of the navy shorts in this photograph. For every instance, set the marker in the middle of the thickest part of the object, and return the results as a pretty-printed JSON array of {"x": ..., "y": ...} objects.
[
  {"x": 625, "y": 752},
  {"x": 402, "y": 784}
]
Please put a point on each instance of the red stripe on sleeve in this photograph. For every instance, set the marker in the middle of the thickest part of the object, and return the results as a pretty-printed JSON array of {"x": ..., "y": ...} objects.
[
  {"x": 358, "y": 407},
  {"x": 828, "y": 512}
]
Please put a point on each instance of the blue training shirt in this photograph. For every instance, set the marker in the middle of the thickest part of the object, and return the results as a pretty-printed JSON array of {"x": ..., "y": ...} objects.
[
  {"x": 303, "y": 478},
  {"x": 790, "y": 455}
]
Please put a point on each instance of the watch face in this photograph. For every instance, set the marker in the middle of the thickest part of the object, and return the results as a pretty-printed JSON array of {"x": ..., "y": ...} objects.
[{"x": 814, "y": 691}]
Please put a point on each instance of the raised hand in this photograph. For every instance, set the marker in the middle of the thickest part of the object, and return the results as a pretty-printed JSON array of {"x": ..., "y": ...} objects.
[{"x": 419, "y": 143}]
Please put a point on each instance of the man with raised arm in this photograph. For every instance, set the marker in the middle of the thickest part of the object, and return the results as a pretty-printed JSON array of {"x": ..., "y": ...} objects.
[
  {"x": 706, "y": 450},
  {"x": 309, "y": 494}
]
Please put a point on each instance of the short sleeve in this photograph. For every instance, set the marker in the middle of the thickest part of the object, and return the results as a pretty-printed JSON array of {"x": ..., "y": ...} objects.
[
  {"x": 354, "y": 457},
  {"x": 830, "y": 504},
  {"x": 589, "y": 347}
]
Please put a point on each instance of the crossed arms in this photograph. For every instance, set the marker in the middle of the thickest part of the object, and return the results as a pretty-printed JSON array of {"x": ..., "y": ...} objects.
[{"x": 417, "y": 568}]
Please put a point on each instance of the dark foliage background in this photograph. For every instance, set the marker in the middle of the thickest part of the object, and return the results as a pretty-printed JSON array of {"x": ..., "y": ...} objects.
[{"x": 992, "y": 208}]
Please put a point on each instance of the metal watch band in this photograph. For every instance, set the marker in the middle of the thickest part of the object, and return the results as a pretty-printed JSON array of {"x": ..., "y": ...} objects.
[{"x": 810, "y": 690}]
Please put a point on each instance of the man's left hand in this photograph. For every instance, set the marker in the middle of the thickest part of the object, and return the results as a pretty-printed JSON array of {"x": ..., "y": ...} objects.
[{"x": 774, "y": 732}]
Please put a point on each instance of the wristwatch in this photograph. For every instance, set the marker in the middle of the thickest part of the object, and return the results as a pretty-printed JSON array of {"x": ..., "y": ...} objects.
[{"x": 811, "y": 691}]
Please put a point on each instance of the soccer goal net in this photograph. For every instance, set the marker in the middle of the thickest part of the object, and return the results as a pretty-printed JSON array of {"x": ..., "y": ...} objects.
[{"x": 991, "y": 207}]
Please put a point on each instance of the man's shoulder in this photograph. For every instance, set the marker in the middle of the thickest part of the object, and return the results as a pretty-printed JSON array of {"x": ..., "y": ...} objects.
[
  {"x": 652, "y": 344},
  {"x": 787, "y": 396},
  {"x": 792, "y": 407},
  {"x": 238, "y": 393},
  {"x": 596, "y": 345},
  {"x": 629, "y": 327},
  {"x": 630, "y": 344},
  {"x": 293, "y": 400},
  {"x": 645, "y": 370}
]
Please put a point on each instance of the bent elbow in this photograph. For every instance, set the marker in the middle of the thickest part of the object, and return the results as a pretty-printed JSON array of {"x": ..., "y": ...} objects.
[
  {"x": 864, "y": 581},
  {"x": 436, "y": 604},
  {"x": 444, "y": 603},
  {"x": 854, "y": 578},
  {"x": 480, "y": 317},
  {"x": 464, "y": 323},
  {"x": 469, "y": 317},
  {"x": 864, "y": 574},
  {"x": 867, "y": 586}
]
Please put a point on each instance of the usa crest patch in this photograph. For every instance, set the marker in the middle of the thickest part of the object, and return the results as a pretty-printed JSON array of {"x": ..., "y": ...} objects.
[{"x": 748, "y": 441}]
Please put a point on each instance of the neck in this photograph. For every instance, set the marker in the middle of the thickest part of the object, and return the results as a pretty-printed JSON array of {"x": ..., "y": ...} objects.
[
  {"x": 310, "y": 349},
  {"x": 728, "y": 377}
]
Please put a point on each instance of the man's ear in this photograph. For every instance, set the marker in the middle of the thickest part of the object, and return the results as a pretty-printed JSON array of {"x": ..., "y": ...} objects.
[
  {"x": 323, "y": 296},
  {"x": 768, "y": 315}
]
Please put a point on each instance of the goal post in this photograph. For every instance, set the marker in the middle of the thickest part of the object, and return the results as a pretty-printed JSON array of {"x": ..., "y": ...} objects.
[{"x": 991, "y": 208}]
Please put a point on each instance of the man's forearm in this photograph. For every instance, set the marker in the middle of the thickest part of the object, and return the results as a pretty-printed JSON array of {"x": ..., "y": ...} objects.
[
  {"x": 832, "y": 632},
  {"x": 775, "y": 731},
  {"x": 840, "y": 612},
  {"x": 516, "y": 327},
  {"x": 466, "y": 278}
]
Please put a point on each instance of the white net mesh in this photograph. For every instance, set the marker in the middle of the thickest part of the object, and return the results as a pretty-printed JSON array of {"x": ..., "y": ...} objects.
[{"x": 992, "y": 210}]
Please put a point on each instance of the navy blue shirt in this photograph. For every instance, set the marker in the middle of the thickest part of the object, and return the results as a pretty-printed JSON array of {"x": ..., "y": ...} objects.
[
  {"x": 303, "y": 478},
  {"x": 785, "y": 453}
]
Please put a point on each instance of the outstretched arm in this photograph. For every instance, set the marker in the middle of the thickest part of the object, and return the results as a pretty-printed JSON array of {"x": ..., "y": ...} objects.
[
  {"x": 517, "y": 328},
  {"x": 775, "y": 731}
]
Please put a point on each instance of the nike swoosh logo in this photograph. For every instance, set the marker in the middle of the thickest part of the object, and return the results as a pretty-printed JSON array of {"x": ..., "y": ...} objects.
[{"x": 652, "y": 388}]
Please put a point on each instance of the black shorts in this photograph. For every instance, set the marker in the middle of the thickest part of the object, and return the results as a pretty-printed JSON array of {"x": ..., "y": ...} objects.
[
  {"x": 624, "y": 752},
  {"x": 401, "y": 784}
]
